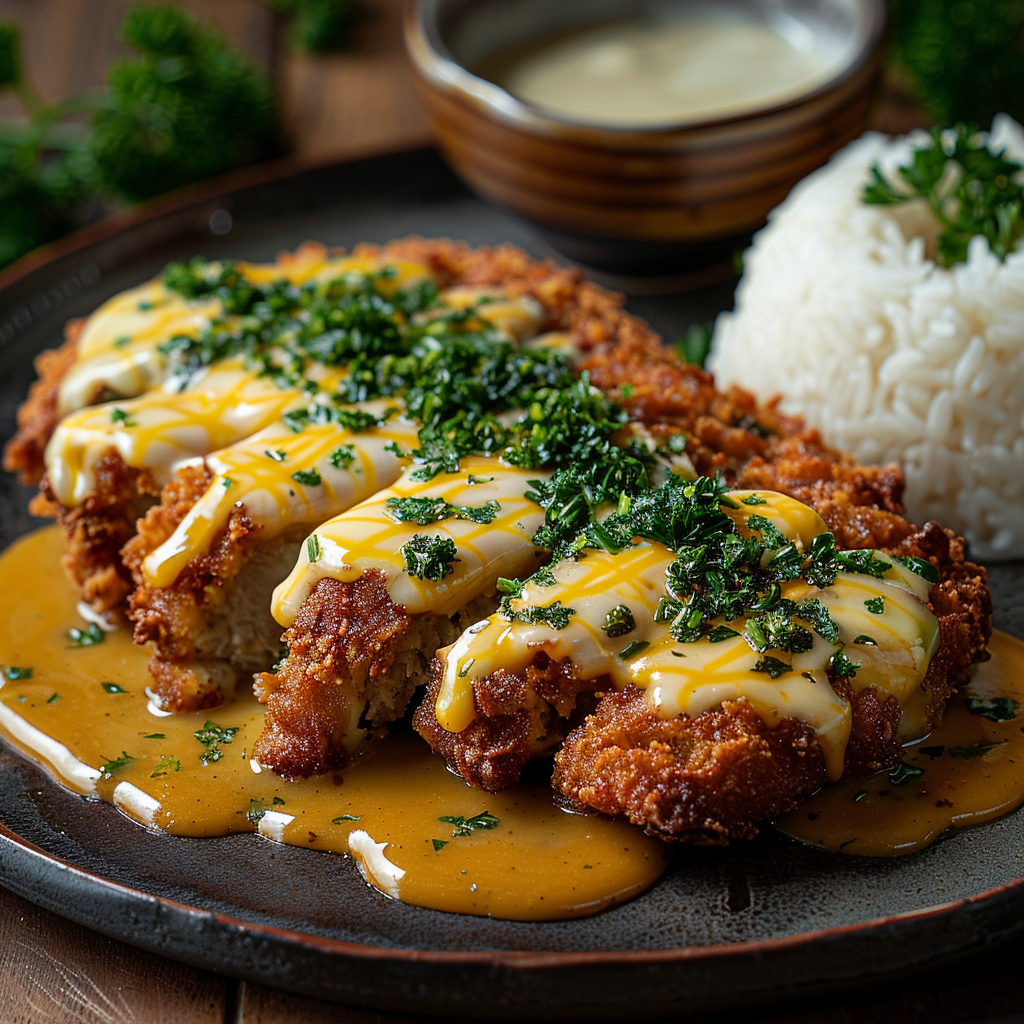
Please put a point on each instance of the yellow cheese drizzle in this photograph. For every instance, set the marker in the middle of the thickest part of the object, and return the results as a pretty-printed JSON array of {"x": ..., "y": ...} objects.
[
  {"x": 689, "y": 678},
  {"x": 366, "y": 537}
]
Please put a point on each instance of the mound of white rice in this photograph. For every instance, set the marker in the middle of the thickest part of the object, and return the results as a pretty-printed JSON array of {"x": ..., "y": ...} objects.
[{"x": 890, "y": 355}]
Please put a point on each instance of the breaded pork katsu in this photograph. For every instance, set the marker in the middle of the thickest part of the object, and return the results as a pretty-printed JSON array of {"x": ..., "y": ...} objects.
[{"x": 345, "y": 479}]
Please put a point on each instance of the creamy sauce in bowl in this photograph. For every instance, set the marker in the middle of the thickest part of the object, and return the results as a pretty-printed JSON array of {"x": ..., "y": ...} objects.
[{"x": 642, "y": 72}]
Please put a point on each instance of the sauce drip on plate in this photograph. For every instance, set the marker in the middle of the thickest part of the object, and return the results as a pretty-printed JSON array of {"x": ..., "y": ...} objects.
[
  {"x": 418, "y": 833},
  {"x": 84, "y": 714}
]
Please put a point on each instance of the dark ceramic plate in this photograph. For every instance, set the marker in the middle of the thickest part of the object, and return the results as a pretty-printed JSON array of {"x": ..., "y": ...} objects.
[{"x": 755, "y": 922}]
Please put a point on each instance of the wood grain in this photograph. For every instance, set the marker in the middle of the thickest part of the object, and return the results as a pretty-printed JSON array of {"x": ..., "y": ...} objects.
[{"x": 53, "y": 971}]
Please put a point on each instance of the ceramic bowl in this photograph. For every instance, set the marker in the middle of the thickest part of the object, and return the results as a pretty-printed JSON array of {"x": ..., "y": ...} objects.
[{"x": 637, "y": 200}]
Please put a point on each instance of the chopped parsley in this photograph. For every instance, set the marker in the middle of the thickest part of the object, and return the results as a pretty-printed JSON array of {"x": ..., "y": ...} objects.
[
  {"x": 112, "y": 688},
  {"x": 919, "y": 566},
  {"x": 155, "y": 736},
  {"x": 976, "y": 749},
  {"x": 553, "y": 615},
  {"x": 307, "y": 477},
  {"x": 92, "y": 634},
  {"x": 121, "y": 418},
  {"x": 276, "y": 454},
  {"x": 124, "y": 339},
  {"x": 619, "y": 621},
  {"x": 868, "y": 641},
  {"x": 313, "y": 548},
  {"x": 211, "y": 736},
  {"x": 633, "y": 649},
  {"x": 164, "y": 765},
  {"x": 970, "y": 188},
  {"x": 474, "y": 480},
  {"x": 754, "y": 499},
  {"x": 345, "y": 817},
  {"x": 343, "y": 456},
  {"x": 424, "y": 511},
  {"x": 773, "y": 666},
  {"x": 840, "y": 665},
  {"x": 439, "y": 844},
  {"x": 995, "y": 709},
  {"x": 875, "y": 605},
  {"x": 429, "y": 558},
  {"x": 53, "y": 698},
  {"x": 482, "y": 822},
  {"x": 258, "y": 808},
  {"x": 115, "y": 764},
  {"x": 904, "y": 771},
  {"x": 12, "y": 673}
]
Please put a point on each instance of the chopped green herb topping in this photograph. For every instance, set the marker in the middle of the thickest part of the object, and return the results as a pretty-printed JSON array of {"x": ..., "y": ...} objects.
[
  {"x": 121, "y": 418},
  {"x": 345, "y": 817},
  {"x": 976, "y": 749},
  {"x": 92, "y": 634},
  {"x": 115, "y": 764},
  {"x": 868, "y": 641},
  {"x": 429, "y": 558},
  {"x": 53, "y": 698},
  {"x": 313, "y": 548},
  {"x": 754, "y": 499},
  {"x": 258, "y": 808},
  {"x": 773, "y": 666},
  {"x": 276, "y": 454},
  {"x": 211, "y": 736},
  {"x": 474, "y": 480},
  {"x": 307, "y": 477},
  {"x": 619, "y": 621},
  {"x": 875, "y": 605},
  {"x": 904, "y": 771},
  {"x": 840, "y": 666},
  {"x": 553, "y": 615},
  {"x": 919, "y": 566},
  {"x": 481, "y": 822},
  {"x": 425, "y": 511},
  {"x": 971, "y": 189},
  {"x": 113, "y": 688},
  {"x": 859, "y": 795},
  {"x": 633, "y": 649},
  {"x": 125, "y": 339},
  {"x": 995, "y": 709},
  {"x": 343, "y": 456},
  {"x": 439, "y": 844},
  {"x": 164, "y": 765},
  {"x": 12, "y": 673},
  {"x": 155, "y": 736}
]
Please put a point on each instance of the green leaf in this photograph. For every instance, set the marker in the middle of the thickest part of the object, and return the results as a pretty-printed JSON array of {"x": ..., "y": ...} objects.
[
  {"x": 633, "y": 649},
  {"x": 13, "y": 673},
  {"x": 482, "y": 822},
  {"x": 164, "y": 765},
  {"x": 112, "y": 688},
  {"x": 995, "y": 709},
  {"x": 307, "y": 477},
  {"x": 773, "y": 666},
  {"x": 429, "y": 558},
  {"x": 619, "y": 621},
  {"x": 10, "y": 55},
  {"x": 115, "y": 764},
  {"x": 87, "y": 637},
  {"x": 439, "y": 844},
  {"x": 904, "y": 771},
  {"x": 977, "y": 749}
]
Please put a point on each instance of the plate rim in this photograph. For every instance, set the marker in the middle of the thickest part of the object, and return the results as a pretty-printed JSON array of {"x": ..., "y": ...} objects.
[{"x": 21, "y": 858}]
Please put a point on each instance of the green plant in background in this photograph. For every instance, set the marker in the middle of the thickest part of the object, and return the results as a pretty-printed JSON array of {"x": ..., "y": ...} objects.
[
  {"x": 188, "y": 107},
  {"x": 964, "y": 58},
  {"x": 317, "y": 25}
]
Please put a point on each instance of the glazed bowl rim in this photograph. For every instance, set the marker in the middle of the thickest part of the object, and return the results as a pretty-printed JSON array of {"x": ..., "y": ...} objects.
[{"x": 435, "y": 62}]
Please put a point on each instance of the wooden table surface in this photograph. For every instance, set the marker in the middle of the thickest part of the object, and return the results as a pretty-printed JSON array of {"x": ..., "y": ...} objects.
[{"x": 342, "y": 105}]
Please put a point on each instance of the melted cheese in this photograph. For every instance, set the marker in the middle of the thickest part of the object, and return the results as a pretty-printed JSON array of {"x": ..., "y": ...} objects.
[
  {"x": 690, "y": 678},
  {"x": 117, "y": 349},
  {"x": 258, "y": 473},
  {"x": 162, "y": 430},
  {"x": 367, "y": 537}
]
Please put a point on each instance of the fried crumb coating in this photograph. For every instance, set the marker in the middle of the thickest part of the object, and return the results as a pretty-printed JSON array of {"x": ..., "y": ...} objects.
[{"x": 38, "y": 416}]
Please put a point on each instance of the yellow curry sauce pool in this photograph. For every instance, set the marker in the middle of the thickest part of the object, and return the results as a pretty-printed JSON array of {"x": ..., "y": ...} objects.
[{"x": 83, "y": 713}]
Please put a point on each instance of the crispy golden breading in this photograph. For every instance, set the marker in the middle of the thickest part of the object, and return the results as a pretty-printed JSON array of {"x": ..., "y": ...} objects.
[
  {"x": 492, "y": 751},
  {"x": 520, "y": 717},
  {"x": 38, "y": 416}
]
